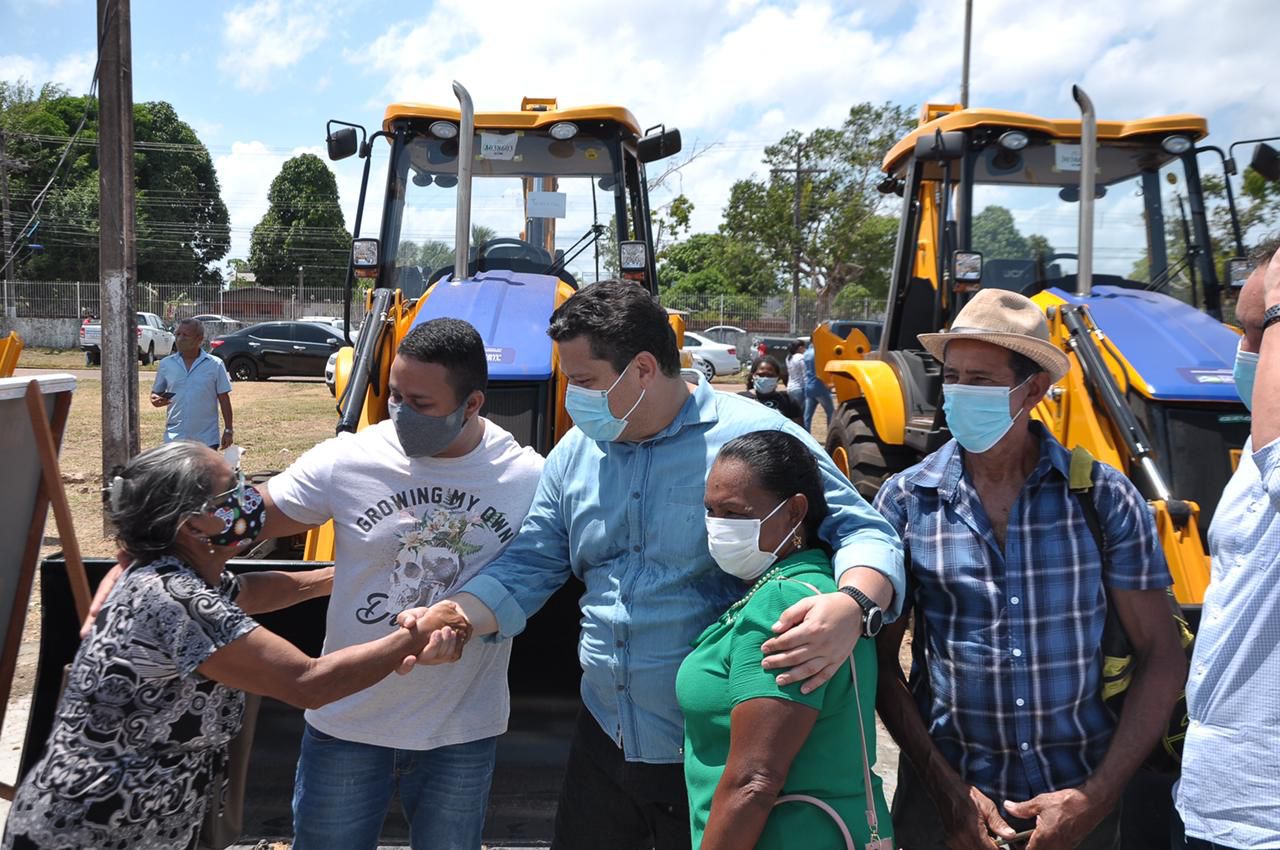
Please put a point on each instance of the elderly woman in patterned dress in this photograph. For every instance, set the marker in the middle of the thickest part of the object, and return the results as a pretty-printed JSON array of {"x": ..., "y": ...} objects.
[{"x": 156, "y": 689}]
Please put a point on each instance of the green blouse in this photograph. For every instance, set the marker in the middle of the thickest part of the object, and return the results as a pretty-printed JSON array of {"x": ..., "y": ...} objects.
[{"x": 724, "y": 670}]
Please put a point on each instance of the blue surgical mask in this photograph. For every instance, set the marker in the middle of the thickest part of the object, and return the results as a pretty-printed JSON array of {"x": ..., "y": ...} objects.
[
  {"x": 1245, "y": 371},
  {"x": 591, "y": 413},
  {"x": 765, "y": 385},
  {"x": 978, "y": 416}
]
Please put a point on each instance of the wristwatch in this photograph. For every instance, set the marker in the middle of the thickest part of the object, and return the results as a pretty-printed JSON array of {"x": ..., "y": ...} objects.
[
  {"x": 1271, "y": 317},
  {"x": 872, "y": 616}
]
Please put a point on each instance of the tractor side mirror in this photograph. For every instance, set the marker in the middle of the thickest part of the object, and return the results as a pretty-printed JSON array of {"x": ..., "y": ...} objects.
[
  {"x": 1237, "y": 272},
  {"x": 364, "y": 257},
  {"x": 341, "y": 143},
  {"x": 661, "y": 144},
  {"x": 966, "y": 267},
  {"x": 633, "y": 259},
  {"x": 1266, "y": 161}
]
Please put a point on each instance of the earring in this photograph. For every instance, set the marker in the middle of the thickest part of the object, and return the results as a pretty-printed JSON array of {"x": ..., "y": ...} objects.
[{"x": 797, "y": 540}]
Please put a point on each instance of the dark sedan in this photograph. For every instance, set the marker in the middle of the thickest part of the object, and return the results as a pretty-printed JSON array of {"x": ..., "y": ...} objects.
[{"x": 270, "y": 349}]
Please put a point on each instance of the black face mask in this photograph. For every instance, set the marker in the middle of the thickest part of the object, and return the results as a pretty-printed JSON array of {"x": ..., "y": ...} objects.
[{"x": 242, "y": 514}]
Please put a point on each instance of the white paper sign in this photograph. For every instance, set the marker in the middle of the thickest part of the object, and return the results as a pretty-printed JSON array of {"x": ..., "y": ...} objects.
[
  {"x": 498, "y": 145},
  {"x": 1066, "y": 157},
  {"x": 546, "y": 204}
]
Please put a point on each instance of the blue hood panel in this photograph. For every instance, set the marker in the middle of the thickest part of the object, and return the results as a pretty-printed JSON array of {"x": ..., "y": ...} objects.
[
  {"x": 1182, "y": 353},
  {"x": 511, "y": 310}
]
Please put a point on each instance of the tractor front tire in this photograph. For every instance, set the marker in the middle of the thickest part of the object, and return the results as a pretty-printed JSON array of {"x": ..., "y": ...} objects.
[{"x": 855, "y": 447}]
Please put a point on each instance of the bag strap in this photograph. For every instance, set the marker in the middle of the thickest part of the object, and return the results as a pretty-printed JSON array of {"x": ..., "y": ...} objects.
[
  {"x": 1080, "y": 482},
  {"x": 873, "y": 822}
]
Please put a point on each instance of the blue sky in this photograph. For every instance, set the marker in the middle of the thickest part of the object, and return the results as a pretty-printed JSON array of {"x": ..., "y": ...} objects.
[{"x": 258, "y": 79}]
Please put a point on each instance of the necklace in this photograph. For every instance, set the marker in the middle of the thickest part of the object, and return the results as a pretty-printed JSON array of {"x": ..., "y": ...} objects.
[{"x": 760, "y": 582}]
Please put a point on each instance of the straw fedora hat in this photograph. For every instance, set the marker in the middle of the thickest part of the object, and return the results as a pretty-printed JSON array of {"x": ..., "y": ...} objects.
[{"x": 1008, "y": 320}]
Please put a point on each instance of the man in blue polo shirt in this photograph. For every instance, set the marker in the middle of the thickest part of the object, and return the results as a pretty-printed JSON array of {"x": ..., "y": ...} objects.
[{"x": 193, "y": 385}]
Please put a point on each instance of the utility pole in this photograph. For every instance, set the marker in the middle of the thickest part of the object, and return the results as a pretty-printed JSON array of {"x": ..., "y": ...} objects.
[
  {"x": 798, "y": 171},
  {"x": 7, "y": 167},
  {"x": 964, "y": 71},
  {"x": 117, "y": 249}
]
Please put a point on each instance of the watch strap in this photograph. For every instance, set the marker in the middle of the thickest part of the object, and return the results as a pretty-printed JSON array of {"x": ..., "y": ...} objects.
[
  {"x": 866, "y": 603},
  {"x": 1271, "y": 316}
]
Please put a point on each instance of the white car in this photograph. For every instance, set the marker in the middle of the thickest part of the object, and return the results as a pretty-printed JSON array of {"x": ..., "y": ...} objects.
[
  {"x": 330, "y": 368},
  {"x": 713, "y": 358}
]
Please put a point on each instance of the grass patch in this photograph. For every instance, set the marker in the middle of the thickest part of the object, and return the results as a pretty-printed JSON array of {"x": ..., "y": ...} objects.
[
  {"x": 275, "y": 422},
  {"x": 59, "y": 358}
]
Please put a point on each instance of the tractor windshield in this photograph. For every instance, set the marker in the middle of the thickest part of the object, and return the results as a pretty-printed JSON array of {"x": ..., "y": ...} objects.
[
  {"x": 535, "y": 204},
  {"x": 1025, "y": 217}
]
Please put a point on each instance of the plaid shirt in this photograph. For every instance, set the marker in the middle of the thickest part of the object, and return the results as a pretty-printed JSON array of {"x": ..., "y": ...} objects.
[{"x": 1011, "y": 638}]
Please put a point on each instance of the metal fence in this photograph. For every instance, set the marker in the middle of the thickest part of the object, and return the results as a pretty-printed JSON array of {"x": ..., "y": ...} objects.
[
  {"x": 45, "y": 299},
  {"x": 763, "y": 315}
]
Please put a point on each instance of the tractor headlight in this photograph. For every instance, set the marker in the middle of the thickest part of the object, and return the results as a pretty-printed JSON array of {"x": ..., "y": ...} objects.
[
  {"x": 1013, "y": 140},
  {"x": 1176, "y": 145},
  {"x": 563, "y": 130},
  {"x": 443, "y": 129}
]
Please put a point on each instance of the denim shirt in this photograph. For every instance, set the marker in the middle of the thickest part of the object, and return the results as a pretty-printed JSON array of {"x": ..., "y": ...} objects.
[{"x": 627, "y": 519}]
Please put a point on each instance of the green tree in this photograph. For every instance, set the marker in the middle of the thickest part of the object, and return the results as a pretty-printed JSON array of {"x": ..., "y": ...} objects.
[
  {"x": 303, "y": 226},
  {"x": 995, "y": 234},
  {"x": 716, "y": 264},
  {"x": 182, "y": 223},
  {"x": 844, "y": 236}
]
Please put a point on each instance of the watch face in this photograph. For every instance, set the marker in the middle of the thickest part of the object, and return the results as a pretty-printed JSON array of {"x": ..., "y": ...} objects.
[{"x": 875, "y": 621}]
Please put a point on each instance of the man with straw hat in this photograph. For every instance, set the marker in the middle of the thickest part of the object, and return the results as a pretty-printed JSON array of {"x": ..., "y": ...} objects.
[{"x": 1003, "y": 724}]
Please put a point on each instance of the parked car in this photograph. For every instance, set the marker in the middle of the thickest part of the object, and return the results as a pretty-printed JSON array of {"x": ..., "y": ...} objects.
[
  {"x": 731, "y": 335},
  {"x": 154, "y": 341},
  {"x": 716, "y": 357},
  {"x": 216, "y": 325},
  {"x": 270, "y": 349},
  {"x": 871, "y": 327},
  {"x": 330, "y": 374}
]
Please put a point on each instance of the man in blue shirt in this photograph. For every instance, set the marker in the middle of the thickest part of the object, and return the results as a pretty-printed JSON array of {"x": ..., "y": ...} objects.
[
  {"x": 620, "y": 506},
  {"x": 1229, "y": 793},
  {"x": 1003, "y": 726},
  {"x": 193, "y": 384}
]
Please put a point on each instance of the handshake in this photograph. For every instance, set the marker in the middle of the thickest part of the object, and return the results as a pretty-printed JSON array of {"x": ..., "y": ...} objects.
[{"x": 443, "y": 630}]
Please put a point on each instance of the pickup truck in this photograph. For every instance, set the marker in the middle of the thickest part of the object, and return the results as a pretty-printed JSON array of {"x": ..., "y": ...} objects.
[{"x": 153, "y": 340}]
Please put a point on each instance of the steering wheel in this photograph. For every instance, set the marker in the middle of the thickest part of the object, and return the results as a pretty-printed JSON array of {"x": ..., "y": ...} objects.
[{"x": 524, "y": 251}]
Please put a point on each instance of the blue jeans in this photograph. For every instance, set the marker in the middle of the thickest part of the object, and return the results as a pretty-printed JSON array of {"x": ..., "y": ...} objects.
[
  {"x": 815, "y": 395},
  {"x": 343, "y": 790}
]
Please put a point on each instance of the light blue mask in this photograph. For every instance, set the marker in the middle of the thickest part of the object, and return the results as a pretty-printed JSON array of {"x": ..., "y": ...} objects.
[
  {"x": 1245, "y": 371},
  {"x": 591, "y": 413},
  {"x": 978, "y": 416}
]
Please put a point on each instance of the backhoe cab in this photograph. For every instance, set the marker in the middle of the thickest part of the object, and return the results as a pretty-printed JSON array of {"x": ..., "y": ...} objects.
[
  {"x": 496, "y": 218},
  {"x": 992, "y": 199}
]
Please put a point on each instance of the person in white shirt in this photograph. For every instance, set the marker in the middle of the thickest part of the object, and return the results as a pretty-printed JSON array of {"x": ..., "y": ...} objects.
[
  {"x": 421, "y": 503},
  {"x": 795, "y": 373},
  {"x": 1229, "y": 792}
]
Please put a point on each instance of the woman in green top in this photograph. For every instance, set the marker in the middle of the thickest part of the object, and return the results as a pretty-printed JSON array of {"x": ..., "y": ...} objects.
[{"x": 747, "y": 740}]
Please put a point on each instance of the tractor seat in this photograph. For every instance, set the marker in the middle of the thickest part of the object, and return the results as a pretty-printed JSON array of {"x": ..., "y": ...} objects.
[{"x": 1013, "y": 275}]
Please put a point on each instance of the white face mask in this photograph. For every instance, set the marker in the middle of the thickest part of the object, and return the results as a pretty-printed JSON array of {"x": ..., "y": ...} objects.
[{"x": 735, "y": 545}]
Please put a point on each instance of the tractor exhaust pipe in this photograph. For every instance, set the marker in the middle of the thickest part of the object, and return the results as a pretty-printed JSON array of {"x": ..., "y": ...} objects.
[
  {"x": 466, "y": 144},
  {"x": 1088, "y": 176}
]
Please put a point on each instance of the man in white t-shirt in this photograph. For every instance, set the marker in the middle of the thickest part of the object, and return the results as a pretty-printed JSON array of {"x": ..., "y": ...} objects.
[{"x": 420, "y": 502}]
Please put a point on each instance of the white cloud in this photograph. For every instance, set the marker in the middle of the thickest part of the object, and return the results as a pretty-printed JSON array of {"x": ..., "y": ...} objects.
[
  {"x": 263, "y": 38},
  {"x": 74, "y": 71}
]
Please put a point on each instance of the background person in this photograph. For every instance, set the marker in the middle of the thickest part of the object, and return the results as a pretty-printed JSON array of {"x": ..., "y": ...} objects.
[
  {"x": 194, "y": 386},
  {"x": 747, "y": 739},
  {"x": 795, "y": 373},
  {"x": 816, "y": 391},
  {"x": 156, "y": 690},
  {"x": 766, "y": 389},
  {"x": 1229, "y": 792}
]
